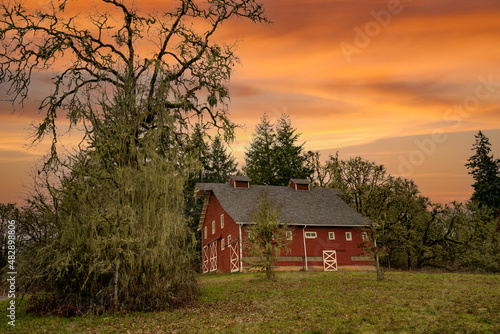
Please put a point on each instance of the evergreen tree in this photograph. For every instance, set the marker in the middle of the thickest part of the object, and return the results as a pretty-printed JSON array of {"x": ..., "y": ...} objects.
[
  {"x": 485, "y": 170},
  {"x": 290, "y": 162},
  {"x": 197, "y": 145},
  {"x": 217, "y": 166},
  {"x": 274, "y": 156},
  {"x": 220, "y": 164},
  {"x": 260, "y": 157}
]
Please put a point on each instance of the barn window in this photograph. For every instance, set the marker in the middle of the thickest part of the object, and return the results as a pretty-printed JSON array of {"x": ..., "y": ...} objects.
[
  {"x": 348, "y": 236},
  {"x": 311, "y": 235},
  {"x": 229, "y": 239},
  {"x": 288, "y": 235},
  {"x": 222, "y": 221},
  {"x": 222, "y": 244},
  {"x": 206, "y": 232},
  {"x": 364, "y": 236},
  {"x": 331, "y": 235},
  {"x": 213, "y": 227}
]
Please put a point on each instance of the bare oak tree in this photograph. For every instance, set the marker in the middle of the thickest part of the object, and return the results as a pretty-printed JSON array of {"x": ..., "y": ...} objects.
[{"x": 164, "y": 62}]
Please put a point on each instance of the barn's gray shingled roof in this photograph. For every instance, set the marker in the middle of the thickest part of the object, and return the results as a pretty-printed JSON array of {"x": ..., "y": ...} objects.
[
  {"x": 242, "y": 178},
  {"x": 317, "y": 206},
  {"x": 300, "y": 181}
]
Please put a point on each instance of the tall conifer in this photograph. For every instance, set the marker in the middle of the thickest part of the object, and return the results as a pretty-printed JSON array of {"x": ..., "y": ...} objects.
[
  {"x": 485, "y": 170},
  {"x": 274, "y": 157},
  {"x": 290, "y": 161},
  {"x": 260, "y": 156}
]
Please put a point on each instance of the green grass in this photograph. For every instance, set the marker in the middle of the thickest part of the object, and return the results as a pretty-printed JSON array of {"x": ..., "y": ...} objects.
[{"x": 340, "y": 302}]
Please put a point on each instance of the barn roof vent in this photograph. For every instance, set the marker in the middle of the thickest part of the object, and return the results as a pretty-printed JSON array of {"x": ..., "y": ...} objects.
[
  {"x": 300, "y": 184},
  {"x": 239, "y": 181}
]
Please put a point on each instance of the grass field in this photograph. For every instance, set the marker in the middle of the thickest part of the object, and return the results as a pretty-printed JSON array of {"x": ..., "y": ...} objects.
[{"x": 335, "y": 302}]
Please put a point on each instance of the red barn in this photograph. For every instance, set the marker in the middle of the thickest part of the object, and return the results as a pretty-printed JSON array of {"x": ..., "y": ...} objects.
[{"x": 325, "y": 231}]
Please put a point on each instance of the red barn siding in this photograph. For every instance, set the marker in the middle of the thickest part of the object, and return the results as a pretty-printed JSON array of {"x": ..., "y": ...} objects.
[
  {"x": 214, "y": 212},
  {"x": 345, "y": 249}
]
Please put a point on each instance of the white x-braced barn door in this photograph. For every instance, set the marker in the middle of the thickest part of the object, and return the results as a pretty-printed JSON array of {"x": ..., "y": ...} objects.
[
  {"x": 213, "y": 255},
  {"x": 234, "y": 257},
  {"x": 330, "y": 260},
  {"x": 204, "y": 257}
]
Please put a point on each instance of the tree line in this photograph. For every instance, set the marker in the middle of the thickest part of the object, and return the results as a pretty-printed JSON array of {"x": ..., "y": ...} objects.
[{"x": 406, "y": 229}]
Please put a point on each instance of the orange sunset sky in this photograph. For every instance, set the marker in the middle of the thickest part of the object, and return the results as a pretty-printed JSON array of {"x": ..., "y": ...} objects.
[{"x": 405, "y": 83}]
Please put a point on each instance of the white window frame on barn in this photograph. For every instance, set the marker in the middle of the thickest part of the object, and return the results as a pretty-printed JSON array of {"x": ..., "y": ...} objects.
[
  {"x": 206, "y": 233},
  {"x": 222, "y": 244},
  {"x": 311, "y": 235},
  {"x": 364, "y": 236},
  {"x": 348, "y": 236},
  {"x": 229, "y": 239},
  {"x": 331, "y": 235},
  {"x": 222, "y": 221},
  {"x": 213, "y": 227},
  {"x": 289, "y": 235}
]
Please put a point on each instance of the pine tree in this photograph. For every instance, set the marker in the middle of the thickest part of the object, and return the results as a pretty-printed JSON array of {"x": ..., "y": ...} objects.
[
  {"x": 217, "y": 166},
  {"x": 274, "y": 156},
  {"x": 290, "y": 162},
  {"x": 199, "y": 146},
  {"x": 485, "y": 170},
  {"x": 220, "y": 164},
  {"x": 260, "y": 157}
]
